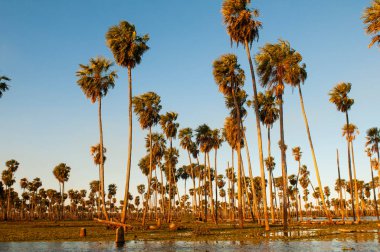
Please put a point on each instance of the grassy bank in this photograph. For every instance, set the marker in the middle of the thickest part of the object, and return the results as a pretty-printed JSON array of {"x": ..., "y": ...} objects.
[{"x": 69, "y": 231}]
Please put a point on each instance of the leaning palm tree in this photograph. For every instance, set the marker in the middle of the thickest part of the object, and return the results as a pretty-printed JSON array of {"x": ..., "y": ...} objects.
[
  {"x": 3, "y": 84},
  {"x": 230, "y": 79},
  {"x": 277, "y": 65},
  {"x": 339, "y": 96},
  {"x": 147, "y": 108},
  {"x": 128, "y": 49},
  {"x": 95, "y": 80},
  {"x": 243, "y": 28},
  {"x": 371, "y": 17},
  {"x": 170, "y": 127},
  {"x": 62, "y": 174}
]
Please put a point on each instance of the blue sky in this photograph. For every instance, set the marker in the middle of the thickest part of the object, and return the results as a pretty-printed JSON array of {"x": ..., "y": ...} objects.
[{"x": 46, "y": 120}]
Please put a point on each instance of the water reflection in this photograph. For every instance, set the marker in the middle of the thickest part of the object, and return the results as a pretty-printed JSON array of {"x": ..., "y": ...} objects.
[{"x": 352, "y": 241}]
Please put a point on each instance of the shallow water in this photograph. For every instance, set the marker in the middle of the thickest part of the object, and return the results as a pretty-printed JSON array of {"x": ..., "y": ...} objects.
[{"x": 351, "y": 242}]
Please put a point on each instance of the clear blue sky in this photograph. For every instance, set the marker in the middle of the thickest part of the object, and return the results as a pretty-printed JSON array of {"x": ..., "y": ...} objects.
[{"x": 46, "y": 120}]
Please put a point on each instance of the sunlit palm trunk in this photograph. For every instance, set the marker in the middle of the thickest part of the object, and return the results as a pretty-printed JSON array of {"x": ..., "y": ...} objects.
[
  {"x": 149, "y": 175},
  {"x": 162, "y": 190},
  {"x": 340, "y": 187},
  {"x": 283, "y": 167},
  {"x": 126, "y": 198},
  {"x": 270, "y": 180},
  {"x": 259, "y": 139},
  {"x": 254, "y": 197},
  {"x": 216, "y": 185},
  {"x": 193, "y": 178},
  {"x": 373, "y": 189},
  {"x": 101, "y": 159},
  {"x": 211, "y": 196},
  {"x": 355, "y": 183},
  {"x": 349, "y": 168},
  {"x": 313, "y": 153}
]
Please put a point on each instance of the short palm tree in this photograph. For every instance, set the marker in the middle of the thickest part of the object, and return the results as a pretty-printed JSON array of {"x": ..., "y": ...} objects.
[
  {"x": 95, "y": 80},
  {"x": 230, "y": 79},
  {"x": 128, "y": 49},
  {"x": 3, "y": 84},
  {"x": 339, "y": 96},
  {"x": 373, "y": 140},
  {"x": 147, "y": 108},
  {"x": 371, "y": 17},
  {"x": 62, "y": 174},
  {"x": 217, "y": 140},
  {"x": 243, "y": 28}
]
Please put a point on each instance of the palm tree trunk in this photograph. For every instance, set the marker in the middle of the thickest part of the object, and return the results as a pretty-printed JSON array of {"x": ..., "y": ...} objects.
[
  {"x": 204, "y": 185},
  {"x": 240, "y": 199},
  {"x": 63, "y": 201},
  {"x": 211, "y": 196},
  {"x": 216, "y": 185},
  {"x": 355, "y": 182},
  {"x": 254, "y": 197},
  {"x": 193, "y": 178},
  {"x": 373, "y": 189},
  {"x": 270, "y": 179},
  {"x": 259, "y": 139},
  {"x": 283, "y": 166},
  {"x": 101, "y": 158},
  {"x": 313, "y": 153},
  {"x": 126, "y": 193},
  {"x": 149, "y": 176},
  {"x": 349, "y": 168},
  {"x": 340, "y": 186}
]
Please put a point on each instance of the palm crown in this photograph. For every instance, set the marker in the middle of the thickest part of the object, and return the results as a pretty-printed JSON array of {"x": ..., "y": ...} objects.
[
  {"x": 240, "y": 21},
  {"x": 3, "y": 85},
  {"x": 373, "y": 139},
  {"x": 339, "y": 96},
  {"x": 126, "y": 46},
  {"x": 95, "y": 79},
  {"x": 147, "y": 107},
  {"x": 371, "y": 17}
]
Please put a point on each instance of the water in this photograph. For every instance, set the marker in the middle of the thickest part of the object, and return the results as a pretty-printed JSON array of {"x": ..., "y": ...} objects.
[{"x": 351, "y": 242}]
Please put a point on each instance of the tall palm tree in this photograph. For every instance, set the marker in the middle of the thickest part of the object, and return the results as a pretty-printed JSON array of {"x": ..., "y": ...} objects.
[
  {"x": 170, "y": 127},
  {"x": 95, "y": 79},
  {"x": 350, "y": 131},
  {"x": 230, "y": 79},
  {"x": 3, "y": 84},
  {"x": 205, "y": 142},
  {"x": 371, "y": 17},
  {"x": 62, "y": 174},
  {"x": 217, "y": 140},
  {"x": 185, "y": 136},
  {"x": 268, "y": 114},
  {"x": 297, "y": 153},
  {"x": 243, "y": 28},
  {"x": 9, "y": 179},
  {"x": 339, "y": 96},
  {"x": 373, "y": 140},
  {"x": 127, "y": 48},
  {"x": 369, "y": 154},
  {"x": 147, "y": 108}
]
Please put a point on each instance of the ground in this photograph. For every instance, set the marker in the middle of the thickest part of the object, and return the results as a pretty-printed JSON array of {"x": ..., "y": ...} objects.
[{"x": 191, "y": 231}]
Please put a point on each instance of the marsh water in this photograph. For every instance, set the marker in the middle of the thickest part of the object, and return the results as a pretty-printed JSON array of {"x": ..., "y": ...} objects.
[{"x": 347, "y": 242}]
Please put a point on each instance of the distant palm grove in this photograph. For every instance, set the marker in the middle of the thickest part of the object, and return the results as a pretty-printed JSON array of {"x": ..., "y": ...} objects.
[{"x": 202, "y": 189}]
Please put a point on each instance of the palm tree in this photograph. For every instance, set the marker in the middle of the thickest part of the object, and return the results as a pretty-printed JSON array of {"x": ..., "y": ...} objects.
[
  {"x": 185, "y": 136},
  {"x": 3, "y": 84},
  {"x": 372, "y": 144},
  {"x": 62, "y": 174},
  {"x": 217, "y": 140},
  {"x": 128, "y": 49},
  {"x": 230, "y": 79},
  {"x": 371, "y": 18},
  {"x": 205, "y": 142},
  {"x": 268, "y": 114},
  {"x": 297, "y": 153},
  {"x": 350, "y": 131},
  {"x": 277, "y": 64},
  {"x": 244, "y": 29},
  {"x": 95, "y": 79},
  {"x": 8, "y": 179},
  {"x": 147, "y": 108},
  {"x": 169, "y": 127},
  {"x": 339, "y": 96}
]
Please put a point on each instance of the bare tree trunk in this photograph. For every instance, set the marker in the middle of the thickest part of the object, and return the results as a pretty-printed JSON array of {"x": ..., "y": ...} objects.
[
  {"x": 126, "y": 194},
  {"x": 259, "y": 139},
  {"x": 355, "y": 182},
  {"x": 149, "y": 176},
  {"x": 340, "y": 186},
  {"x": 373, "y": 189},
  {"x": 349, "y": 169}
]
